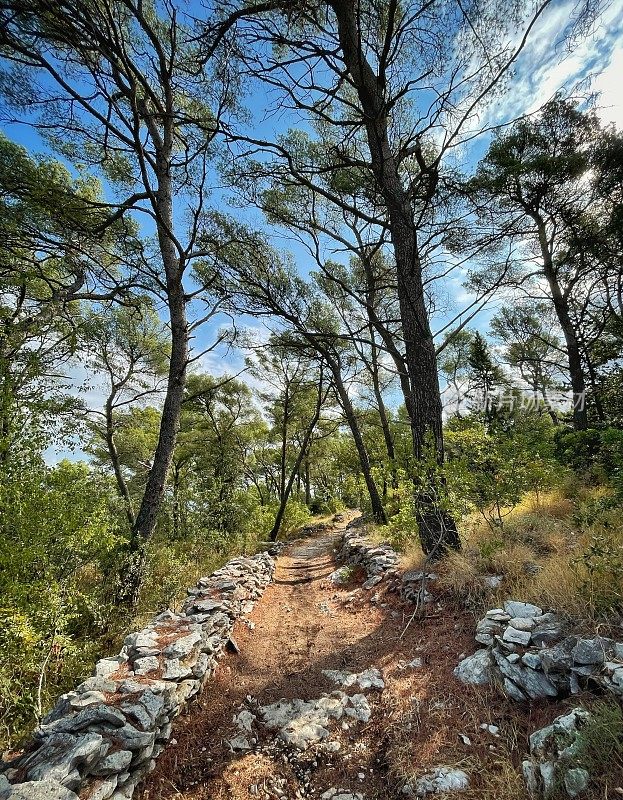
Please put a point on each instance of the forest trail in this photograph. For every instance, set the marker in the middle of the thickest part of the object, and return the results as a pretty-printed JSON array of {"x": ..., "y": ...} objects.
[{"x": 302, "y": 626}]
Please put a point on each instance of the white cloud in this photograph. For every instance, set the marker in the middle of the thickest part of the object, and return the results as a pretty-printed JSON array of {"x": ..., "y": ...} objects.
[{"x": 546, "y": 65}]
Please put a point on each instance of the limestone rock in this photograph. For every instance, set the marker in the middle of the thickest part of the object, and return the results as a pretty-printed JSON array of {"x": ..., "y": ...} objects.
[
  {"x": 61, "y": 756},
  {"x": 516, "y": 636},
  {"x": 552, "y": 750},
  {"x": 576, "y": 781},
  {"x": 40, "y": 790},
  {"x": 518, "y": 609},
  {"x": 476, "y": 669},
  {"x": 340, "y": 794},
  {"x": 441, "y": 779},
  {"x": 340, "y": 576},
  {"x": 114, "y": 763},
  {"x": 368, "y": 679},
  {"x": 591, "y": 651}
]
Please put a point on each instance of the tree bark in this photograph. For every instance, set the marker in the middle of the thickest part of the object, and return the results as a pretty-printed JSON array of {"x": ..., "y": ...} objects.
[
  {"x": 145, "y": 523},
  {"x": 387, "y": 434},
  {"x": 376, "y": 503},
  {"x": 423, "y": 399},
  {"x": 561, "y": 307}
]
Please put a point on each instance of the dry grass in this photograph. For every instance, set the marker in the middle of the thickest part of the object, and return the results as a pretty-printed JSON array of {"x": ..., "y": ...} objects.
[{"x": 543, "y": 554}]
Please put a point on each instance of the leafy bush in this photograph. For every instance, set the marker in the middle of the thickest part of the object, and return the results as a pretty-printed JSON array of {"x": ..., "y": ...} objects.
[
  {"x": 597, "y": 454},
  {"x": 58, "y": 544},
  {"x": 402, "y": 528},
  {"x": 491, "y": 472}
]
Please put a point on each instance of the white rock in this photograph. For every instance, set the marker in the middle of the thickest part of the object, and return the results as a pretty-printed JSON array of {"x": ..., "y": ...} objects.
[
  {"x": 368, "y": 679},
  {"x": 41, "y": 790},
  {"x": 515, "y": 636},
  {"x": 442, "y": 779},
  {"x": 518, "y": 609},
  {"x": 476, "y": 669},
  {"x": 522, "y": 623},
  {"x": 245, "y": 720}
]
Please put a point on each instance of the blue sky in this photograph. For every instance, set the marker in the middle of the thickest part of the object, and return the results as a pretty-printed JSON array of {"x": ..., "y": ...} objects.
[{"x": 544, "y": 67}]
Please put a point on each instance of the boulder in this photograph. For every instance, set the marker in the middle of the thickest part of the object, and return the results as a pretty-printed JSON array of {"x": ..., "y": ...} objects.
[{"x": 477, "y": 669}]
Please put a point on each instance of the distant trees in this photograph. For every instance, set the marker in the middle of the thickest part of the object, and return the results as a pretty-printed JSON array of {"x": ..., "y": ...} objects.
[
  {"x": 531, "y": 348},
  {"x": 539, "y": 185}
]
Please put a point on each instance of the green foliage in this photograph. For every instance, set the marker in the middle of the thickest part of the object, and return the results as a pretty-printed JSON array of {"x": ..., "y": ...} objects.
[
  {"x": 402, "y": 528},
  {"x": 58, "y": 542},
  {"x": 491, "y": 470},
  {"x": 596, "y": 453},
  {"x": 600, "y": 566},
  {"x": 599, "y": 746},
  {"x": 296, "y": 516}
]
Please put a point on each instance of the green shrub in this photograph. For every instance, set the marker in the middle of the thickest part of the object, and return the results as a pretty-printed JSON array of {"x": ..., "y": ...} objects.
[
  {"x": 599, "y": 747},
  {"x": 597, "y": 454},
  {"x": 600, "y": 572}
]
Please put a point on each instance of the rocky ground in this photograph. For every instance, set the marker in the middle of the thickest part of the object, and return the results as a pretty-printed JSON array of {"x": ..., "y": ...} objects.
[{"x": 337, "y": 693}]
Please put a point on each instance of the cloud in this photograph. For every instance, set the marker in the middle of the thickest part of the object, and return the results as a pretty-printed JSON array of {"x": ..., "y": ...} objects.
[{"x": 546, "y": 65}]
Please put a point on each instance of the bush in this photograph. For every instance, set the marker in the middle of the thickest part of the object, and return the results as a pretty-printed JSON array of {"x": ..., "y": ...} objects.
[
  {"x": 600, "y": 572},
  {"x": 491, "y": 472},
  {"x": 58, "y": 545},
  {"x": 596, "y": 454},
  {"x": 402, "y": 528}
]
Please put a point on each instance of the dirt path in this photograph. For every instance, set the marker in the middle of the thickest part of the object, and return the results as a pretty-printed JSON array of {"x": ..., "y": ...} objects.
[{"x": 302, "y": 626}]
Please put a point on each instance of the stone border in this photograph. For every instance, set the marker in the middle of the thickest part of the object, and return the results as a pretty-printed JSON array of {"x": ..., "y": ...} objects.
[
  {"x": 529, "y": 654},
  {"x": 356, "y": 550},
  {"x": 380, "y": 561},
  {"x": 100, "y": 740}
]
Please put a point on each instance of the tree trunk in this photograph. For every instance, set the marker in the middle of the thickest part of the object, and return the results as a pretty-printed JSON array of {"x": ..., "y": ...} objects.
[
  {"x": 287, "y": 489},
  {"x": 423, "y": 401},
  {"x": 349, "y": 412},
  {"x": 113, "y": 454},
  {"x": 387, "y": 434},
  {"x": 307, "y": 483},
  {"x": 561, "y": 306},
  {"x": 176, "y": 511},
  {"x": 284, "y": 442},
  {"x": 145, "y": 523}
]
